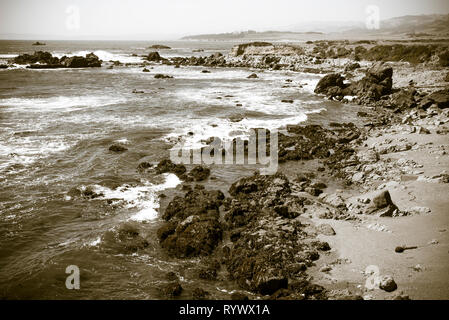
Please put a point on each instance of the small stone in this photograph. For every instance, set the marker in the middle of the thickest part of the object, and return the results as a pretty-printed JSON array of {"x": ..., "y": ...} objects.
[
  {"x": 326, "y": 230},
  {"x": 387, "y": 283}
]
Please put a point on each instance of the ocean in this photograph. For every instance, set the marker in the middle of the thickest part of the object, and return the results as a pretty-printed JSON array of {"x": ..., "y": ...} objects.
[{"x": 55, "y": 130}]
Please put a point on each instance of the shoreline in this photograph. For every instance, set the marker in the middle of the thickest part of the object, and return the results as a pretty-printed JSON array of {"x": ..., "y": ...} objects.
[{"x": 391, "y": 141}]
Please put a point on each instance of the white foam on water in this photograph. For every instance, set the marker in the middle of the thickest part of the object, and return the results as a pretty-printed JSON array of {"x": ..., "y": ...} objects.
[
  {"x": 102, "y": 55},
  {"x": 60, "y": 103},
  {"x": 145, "y": 198}
]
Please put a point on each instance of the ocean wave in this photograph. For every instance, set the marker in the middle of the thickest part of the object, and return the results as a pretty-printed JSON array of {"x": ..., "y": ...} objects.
[
  {"x": 62, "y": 103},
  {"x": 145, "y": 198},
  {"x": 103, "y": 55}
]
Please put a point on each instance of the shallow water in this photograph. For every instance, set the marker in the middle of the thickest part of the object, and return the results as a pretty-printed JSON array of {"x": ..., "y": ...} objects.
[{"x": 55, "y": 130}]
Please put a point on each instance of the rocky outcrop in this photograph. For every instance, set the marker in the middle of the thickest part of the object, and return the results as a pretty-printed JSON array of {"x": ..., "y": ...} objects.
[
  {"x": 382, "y": 205},
  {"x": 192, "y": 227},
  {"x": 159, "y": 47},
  {"x": 269, "y": 252},
  {"x": 440, "y": 98},
  {"x": 46, "y": 60},
  {"x": 90, "y": 61},
  {"x": 377, "y": 83},
  {"x": 240, "y": 49},
  {"x": 153, "y": 57},
  {"x": 330, "y": 83}
]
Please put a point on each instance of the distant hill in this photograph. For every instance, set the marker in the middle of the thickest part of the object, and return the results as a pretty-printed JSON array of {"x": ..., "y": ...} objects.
[
  {"x": 254, "y": 35},
  {"x": 405, "y": 26}
]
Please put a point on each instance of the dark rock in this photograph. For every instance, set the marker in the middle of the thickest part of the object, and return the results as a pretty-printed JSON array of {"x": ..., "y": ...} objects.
[
  {"x": 377, "y": 83},
  {"x": 199, "y": 173},
  {"x": 326, "y": 230},
  {"x": 387, "y": 283},
  {"x": 403, "y": 99},
  {"x": 117, "y": 148},
  {"x": 199, "y": 294},
  {"x": 162, "y": 76},
  {"x": 3, "y": 66},
  {"x": 41, "y": 57},
  {"x": 172, "y": 289},
  {"x": 194, "y": 236},
  {"x": 153, "y": 56},
  {"x": 159, "y": 47},
  {"x": 382, "y": 205},
  {"x": 145, "y": 70},
  {"x": 205, "y": 71},
  {"x": 287, "y": 101},
  {"x": 352, "y": 66},
  {"x": 37, "y": 43},
  {"x": 439, "y": 98},
  {"x": 126, "y": 239},
  {"x": 239, "y": 296},
  {"x": 90, "y": 61},
  {"x": 167, "y": 165},
  {"x": 329, "y": 81},
  {"x": 252, "y": 76}
]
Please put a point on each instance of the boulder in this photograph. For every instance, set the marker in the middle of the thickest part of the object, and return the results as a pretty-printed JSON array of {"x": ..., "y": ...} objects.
[
  {"x": 90, "y": 61},
  {"x": 167, "y": 165},
  {"x": 253, "y": 76},
  {"x": 439, "y": 98},
  {"x": 117, "y": 148},
  {"x": 162, "y": 76},
  {"x": 199, "y": 173},
  {"x": 377, "y": 83},
  {"x": 326, "y": 230},
  {"x": 153, "y": 56},
  {"x": 329, "y": 81},
  {"x": 382, "y": 205},
  {"x": 352, "y": 66},
  {"x": 387, "y": 283},
  {"x": 403, "y": 99},
  {"x": 172, "y": 289}
]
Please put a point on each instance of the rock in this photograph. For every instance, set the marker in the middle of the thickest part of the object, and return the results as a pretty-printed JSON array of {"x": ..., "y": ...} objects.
[
  {"x": 3, "y": 66},
  {"x": 334, "y": 200},
  {"x": 90, "y": 61},
  {"x": 124, "y": 240},
  {"x": 403, "y": 99},
  {"x": 162, "y": 76},
  {"x": 159, "y": 46},
  {"x": 387, "y": 283},
  {"x": 239, "y": 296},
  {"x": 153, "y": 56},
  {"x": 447, "y": 77},
  {"x": 194, "y": 236},
  {"x": 172, "y": 289},
  {"x": 117, "y": 148},
  {"x": 252, "y": 76},
  {"x": 37, "y": 43},
  {"x": 137, "y": 91},
  {"x": 193, "y": 227},
  {"x": 439, "y": 98},
  {"x": 145, "y": 70},
  {"x": 377, "y": 83},
  {"x": 270, "y": 281},
  {"x": 167, "y": 165},
  {"x": 325, "y": 268},
  {"x": 329, "y": 81},
  {"x": 326, "y": 230},
  {"x": 287, "y": 101},
  {"x": 352, "y": 66},
  {"x": 199, "y": 173},
  {"x": 205, "y": 71},
  {"x": 382, "y": 205},
  {"x": 199, "y": 294}
]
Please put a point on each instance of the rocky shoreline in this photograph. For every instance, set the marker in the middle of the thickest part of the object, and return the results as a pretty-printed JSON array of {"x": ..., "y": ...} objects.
[
  {"x": 288, "y": 236},
  {"x": 266, "y": 233}
]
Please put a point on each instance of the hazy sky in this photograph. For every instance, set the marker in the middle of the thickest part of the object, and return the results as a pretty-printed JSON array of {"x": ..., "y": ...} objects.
[{"x": 159, "y": 18}]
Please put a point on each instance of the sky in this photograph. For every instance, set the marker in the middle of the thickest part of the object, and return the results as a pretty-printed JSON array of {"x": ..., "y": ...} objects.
[{"x": 158, "y": 19}]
